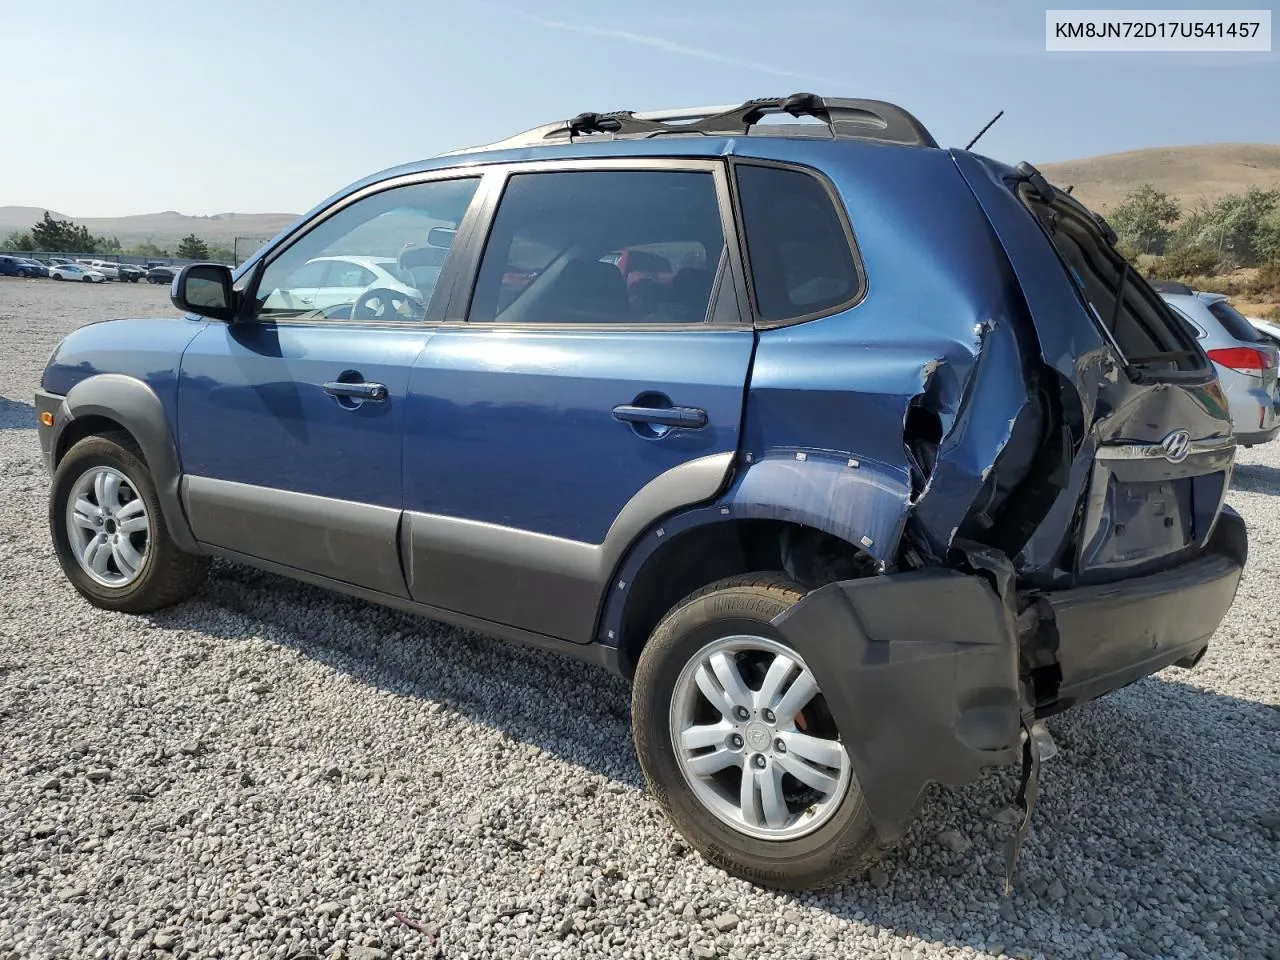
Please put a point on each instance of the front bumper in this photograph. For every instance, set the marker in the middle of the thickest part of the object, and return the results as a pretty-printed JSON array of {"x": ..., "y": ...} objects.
[{"x": 928, "y": 674}]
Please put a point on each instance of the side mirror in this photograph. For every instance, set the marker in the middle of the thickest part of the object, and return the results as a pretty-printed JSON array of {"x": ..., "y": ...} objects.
[{"x": 204, "y": 288}]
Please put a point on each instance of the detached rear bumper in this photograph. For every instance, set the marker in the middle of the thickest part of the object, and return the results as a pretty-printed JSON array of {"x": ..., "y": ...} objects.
[{"x": 926, "y": 673}]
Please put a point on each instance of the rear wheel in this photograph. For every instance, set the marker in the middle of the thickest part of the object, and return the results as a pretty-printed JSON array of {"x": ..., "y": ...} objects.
[
  {"x": 109, "y": 533},
  {"x": 737, "y": 743}
]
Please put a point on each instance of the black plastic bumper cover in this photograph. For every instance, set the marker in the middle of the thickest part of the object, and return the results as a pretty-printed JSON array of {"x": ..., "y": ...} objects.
[
  {"x": 921, "y": 670},
  {"x": 1111, "y": 635}
]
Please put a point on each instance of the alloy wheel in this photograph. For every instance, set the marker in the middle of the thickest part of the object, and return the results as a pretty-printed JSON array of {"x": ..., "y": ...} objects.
[
  {"x": 754, "y": 740},
  {"x": 108, "y": 527}
]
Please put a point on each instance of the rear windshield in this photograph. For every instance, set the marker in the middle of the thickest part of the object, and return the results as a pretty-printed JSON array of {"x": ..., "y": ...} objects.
[
  {"x": 1140, "y": 324},
  {"x": 1234, "y": 322}
]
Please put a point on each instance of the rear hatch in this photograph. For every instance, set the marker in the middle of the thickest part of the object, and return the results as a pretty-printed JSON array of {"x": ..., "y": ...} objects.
[{"x": 1138, "y": 448}]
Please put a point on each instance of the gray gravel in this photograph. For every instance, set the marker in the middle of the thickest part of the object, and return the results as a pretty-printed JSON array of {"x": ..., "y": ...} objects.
[{"x": 270, "y": 770}]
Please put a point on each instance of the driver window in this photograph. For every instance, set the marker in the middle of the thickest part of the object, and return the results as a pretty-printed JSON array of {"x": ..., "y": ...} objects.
[{"x": 376, "y": 260}]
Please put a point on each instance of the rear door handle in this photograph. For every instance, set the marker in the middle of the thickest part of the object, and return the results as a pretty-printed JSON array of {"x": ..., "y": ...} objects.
[
  {"x": 375, "y": 392},
  {"x": 693, "y": 418}
]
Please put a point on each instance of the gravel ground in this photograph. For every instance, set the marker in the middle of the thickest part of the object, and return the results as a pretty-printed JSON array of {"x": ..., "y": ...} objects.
[{"x": 271, "y": 770}]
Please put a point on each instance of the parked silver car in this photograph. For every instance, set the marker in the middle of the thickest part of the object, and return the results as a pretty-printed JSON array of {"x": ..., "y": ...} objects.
[{"x": 1245, "y": 358}]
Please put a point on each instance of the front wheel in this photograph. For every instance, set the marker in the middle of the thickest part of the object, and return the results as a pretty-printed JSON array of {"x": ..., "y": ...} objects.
[
  {"x": 109, "y": 533},
  {"x": 737, "y": 743}
]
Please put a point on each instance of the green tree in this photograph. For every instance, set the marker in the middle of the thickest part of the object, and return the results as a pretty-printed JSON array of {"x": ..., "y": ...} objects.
[
  {"x": 193, "y": 248},
  {"x": 1267, "y": 240},
  {"x": 1144, "y": 217},
  {"x": 62, "y": 236},
  {"x": 147, "y": 249},
  {"x": 1238, "y": 226},
  {"x": 19, "y": 241},
  {"x": 221, "y": 254}
]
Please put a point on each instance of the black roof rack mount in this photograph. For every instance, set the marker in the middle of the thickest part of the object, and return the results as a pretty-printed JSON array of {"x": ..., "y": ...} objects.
[{"x": 846, "y": 119}]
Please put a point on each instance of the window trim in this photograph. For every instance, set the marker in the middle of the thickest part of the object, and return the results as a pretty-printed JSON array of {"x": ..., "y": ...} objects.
[
  {"x": 460, "y": 301},
  {"x": 447, "y": 272},
  {"x": 842, "y": 215}
]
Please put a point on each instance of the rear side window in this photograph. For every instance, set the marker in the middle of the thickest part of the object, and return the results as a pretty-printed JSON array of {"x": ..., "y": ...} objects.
[
  {"x": 1234, "y": 322},
  {"x": 602, "y": 247},
  {"x": 1145, "y": 329},
  {"x": 802, "y": 261}
]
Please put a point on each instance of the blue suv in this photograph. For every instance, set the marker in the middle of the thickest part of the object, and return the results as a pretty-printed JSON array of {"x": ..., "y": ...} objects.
[{"x": 860, "y": 456}]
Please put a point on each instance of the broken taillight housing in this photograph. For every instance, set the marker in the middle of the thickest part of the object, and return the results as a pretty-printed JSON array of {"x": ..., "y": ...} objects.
[{"x": 1242, "y": 359}]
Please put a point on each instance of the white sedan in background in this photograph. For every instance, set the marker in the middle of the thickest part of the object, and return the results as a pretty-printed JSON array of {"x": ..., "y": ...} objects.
[
  {"x": 326, "y": 283},
  {"x": 76, "y": 271}
]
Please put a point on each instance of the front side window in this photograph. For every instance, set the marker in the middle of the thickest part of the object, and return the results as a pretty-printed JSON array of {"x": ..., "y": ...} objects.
[
  {"x": 802, "y": 262},
  {"x": 602, "y": 246},
  {"x": 378, "y": 259}
]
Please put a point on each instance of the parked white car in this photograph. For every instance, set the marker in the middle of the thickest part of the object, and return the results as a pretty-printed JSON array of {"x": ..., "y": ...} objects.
[
  {"x": 104, "y": 267},
  {"x": 1268, "y": 328},
  {"x": 76, "y": 271},
  {"x": 326, "y": 284}
]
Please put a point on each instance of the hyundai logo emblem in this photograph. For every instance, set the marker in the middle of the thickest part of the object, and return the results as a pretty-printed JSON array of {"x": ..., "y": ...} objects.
[{"x": 1176, "y": 446}]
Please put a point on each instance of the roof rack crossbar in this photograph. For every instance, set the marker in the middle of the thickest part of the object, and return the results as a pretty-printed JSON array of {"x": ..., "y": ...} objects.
[{"x": 846, "y": 119}]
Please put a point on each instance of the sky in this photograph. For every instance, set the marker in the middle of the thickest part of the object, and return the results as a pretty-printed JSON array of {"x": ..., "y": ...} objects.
[{"x": 256, "y": 106}]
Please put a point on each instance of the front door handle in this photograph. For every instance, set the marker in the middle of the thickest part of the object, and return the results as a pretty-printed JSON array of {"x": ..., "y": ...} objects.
[
  {"x": 374, "y": 392},
  {"x": 693, "y": 418}
]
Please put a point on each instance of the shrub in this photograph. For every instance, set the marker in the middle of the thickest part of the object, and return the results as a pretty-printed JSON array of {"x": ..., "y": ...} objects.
[
  {"x": 1267, "y": 280},
  {"x": 1188, "y": 262},
  {"x": 1224, "y": 285}
]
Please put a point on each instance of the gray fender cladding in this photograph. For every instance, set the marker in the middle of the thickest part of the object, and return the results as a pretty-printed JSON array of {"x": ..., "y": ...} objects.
[{"x": 920, "y": 672}]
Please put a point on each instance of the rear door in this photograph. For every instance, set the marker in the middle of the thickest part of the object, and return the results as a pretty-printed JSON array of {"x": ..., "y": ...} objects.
[{"x": 563, "y": 411}]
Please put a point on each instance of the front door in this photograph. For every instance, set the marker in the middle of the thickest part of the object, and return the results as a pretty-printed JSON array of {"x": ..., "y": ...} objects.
[
  {"x": 596, "y": 386},
  {"x": 290, "y": 422}
]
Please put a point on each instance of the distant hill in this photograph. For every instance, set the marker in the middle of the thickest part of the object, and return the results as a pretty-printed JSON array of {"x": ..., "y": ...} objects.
[
  {"x": 162, "y": 229},
  {"x": 1188, "y": 173}
]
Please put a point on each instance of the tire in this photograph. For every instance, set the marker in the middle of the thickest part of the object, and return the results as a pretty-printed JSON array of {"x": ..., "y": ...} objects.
[
  {"x": 56, "y": 276},
  {"x": 88, "y": 279},
  {"x": 165, "y": 575},
  {"x": 838, "y": 839}
]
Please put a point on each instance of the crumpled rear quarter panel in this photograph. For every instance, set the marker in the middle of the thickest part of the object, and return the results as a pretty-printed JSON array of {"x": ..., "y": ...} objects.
[{"x": 941, "y": 321}]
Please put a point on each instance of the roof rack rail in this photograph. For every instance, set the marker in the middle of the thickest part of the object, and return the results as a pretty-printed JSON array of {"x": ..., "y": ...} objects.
[{"x": 846, "y": 119}]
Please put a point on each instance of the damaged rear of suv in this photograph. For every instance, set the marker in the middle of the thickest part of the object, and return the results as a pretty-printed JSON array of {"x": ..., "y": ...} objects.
[
  {"x": 860, "y": 456},
  {"x": 1011, "y": 459}
]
